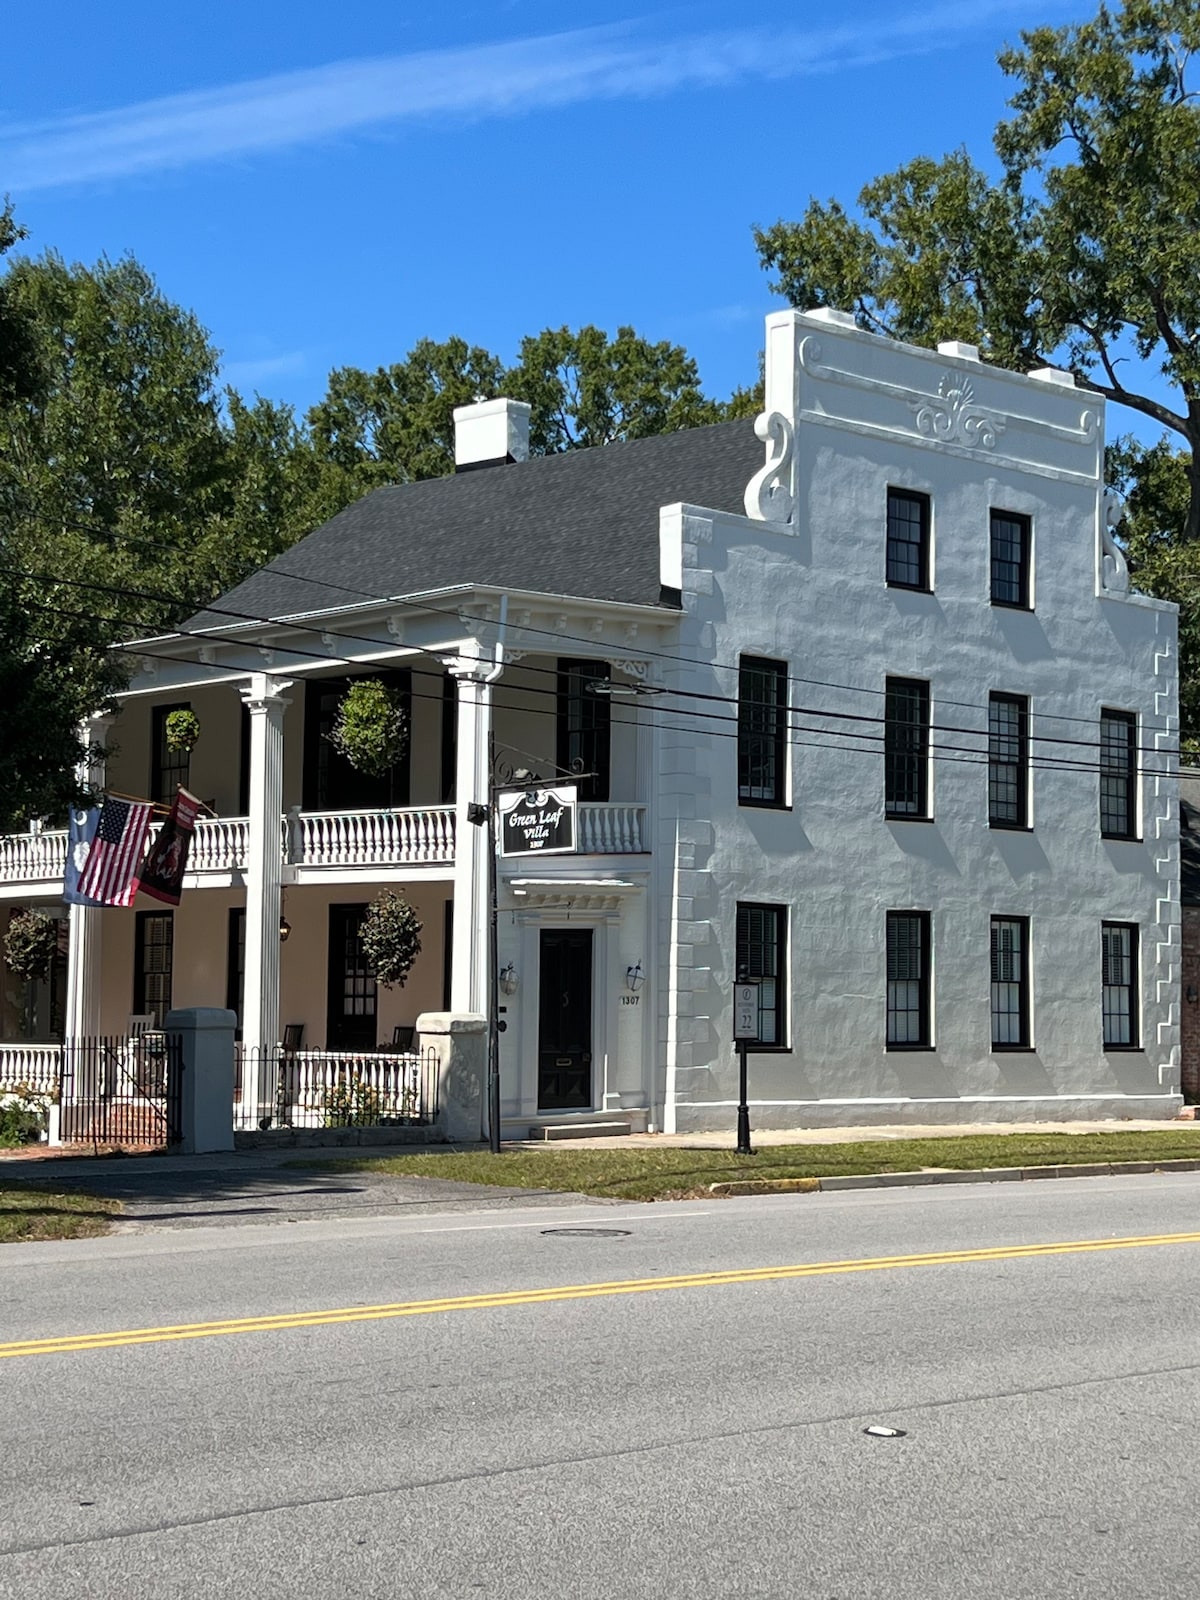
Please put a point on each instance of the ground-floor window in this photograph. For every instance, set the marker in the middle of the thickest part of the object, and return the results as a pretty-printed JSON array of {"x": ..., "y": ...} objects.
[
  {"x": 153, "y": 964},
  {"x": 762, "y": 954},
  {"x": 1119, "y": 977},
  {"x": 350, "y": 1022},
  {"x": 909, "y": 966},
  {"x": 235, "y": 970},
  {"x": 1010, "y": 983}
]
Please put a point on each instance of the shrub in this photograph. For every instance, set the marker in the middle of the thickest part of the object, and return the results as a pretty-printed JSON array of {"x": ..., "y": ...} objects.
[
  {"x": 352, "y": 1103},
  {"x": 371, "y": 729},
  {"x": 391, "y": 938},
  {"x": 182, "y": 730},
  {"x": 30, "y": 943},
  {"x": 23, "y": 1115}
]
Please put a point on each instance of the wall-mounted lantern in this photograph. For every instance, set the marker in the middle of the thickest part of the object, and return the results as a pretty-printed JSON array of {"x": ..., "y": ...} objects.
[
  {"x": 509, "y": 979},
  {"x": 634, "y": 978}
]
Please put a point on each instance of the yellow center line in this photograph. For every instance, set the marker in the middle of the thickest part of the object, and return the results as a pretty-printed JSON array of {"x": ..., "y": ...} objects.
[{"x": 572, "y": 1291}]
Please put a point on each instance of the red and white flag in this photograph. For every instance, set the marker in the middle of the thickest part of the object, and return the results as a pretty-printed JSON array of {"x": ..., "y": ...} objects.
[{"x": 108, "y": 875}]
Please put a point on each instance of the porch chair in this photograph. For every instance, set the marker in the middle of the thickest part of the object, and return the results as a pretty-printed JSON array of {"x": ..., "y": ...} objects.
[{"x": 403, "y": 1038}]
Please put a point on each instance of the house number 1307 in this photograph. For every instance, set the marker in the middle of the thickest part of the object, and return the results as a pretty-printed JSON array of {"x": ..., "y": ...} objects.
[{"x": 630, "y": 999}]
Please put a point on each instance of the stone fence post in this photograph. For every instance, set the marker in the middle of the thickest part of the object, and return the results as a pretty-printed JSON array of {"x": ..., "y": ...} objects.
[
  {"x": 458, "y": 1042},
  {"x": 205, "y": 1035}
]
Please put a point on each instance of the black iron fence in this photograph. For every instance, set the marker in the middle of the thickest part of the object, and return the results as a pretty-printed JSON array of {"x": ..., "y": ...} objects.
[
  {"x": 124, "y": 1091},
  {"x": 280, "y": 1088}
]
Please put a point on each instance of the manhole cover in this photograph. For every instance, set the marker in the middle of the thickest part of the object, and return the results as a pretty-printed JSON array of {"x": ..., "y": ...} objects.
[{"x": 589, "y": 1233}]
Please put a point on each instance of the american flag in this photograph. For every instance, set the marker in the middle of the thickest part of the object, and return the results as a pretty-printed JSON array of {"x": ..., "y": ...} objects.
[{"x": 116, "y": 850}]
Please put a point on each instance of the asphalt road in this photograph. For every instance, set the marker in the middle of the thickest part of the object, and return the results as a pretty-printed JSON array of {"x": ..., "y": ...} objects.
[{"x": 630, "y": 1440}]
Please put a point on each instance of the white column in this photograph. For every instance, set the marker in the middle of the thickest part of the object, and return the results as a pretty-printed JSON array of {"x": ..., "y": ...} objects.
[
  {"x": 265, "y": 701},
  {"x": 468, "y": 972},
  {"x": 82, "y": 1018}
]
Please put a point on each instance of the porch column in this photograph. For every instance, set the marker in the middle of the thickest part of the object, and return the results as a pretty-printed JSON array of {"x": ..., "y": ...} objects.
[
  {"x": 468, "y": 971},
  {"x": 265, "y": 701},
  {"x": 82, "y": 1019}
]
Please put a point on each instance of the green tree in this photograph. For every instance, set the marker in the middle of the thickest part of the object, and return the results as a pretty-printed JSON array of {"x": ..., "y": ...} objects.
[
  {"x": 587, "y": 389},
  {"x": 1085, "y": 250}
]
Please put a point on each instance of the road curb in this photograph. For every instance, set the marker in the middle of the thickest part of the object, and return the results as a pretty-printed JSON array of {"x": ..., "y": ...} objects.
[{"x": 922, "y": 1180}]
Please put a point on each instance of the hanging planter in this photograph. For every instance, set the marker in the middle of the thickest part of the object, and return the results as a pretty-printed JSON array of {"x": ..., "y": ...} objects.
[
  {"x": 29, "y": 944},
  {"x": 182, "y": 731},
  {"x": 391, "y": 938},
  {"x": 371, "y": 728}
]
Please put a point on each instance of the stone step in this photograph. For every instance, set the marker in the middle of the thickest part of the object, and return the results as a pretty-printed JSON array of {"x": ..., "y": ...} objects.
[{"x": 547, "y": 1131}]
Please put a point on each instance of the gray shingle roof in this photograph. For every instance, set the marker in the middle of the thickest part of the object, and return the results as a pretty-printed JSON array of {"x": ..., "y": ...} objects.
[{"x": 582, "y": 524}]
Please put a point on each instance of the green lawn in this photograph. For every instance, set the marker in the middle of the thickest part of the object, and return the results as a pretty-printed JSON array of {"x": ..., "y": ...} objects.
[
  {"x": 646, "y": 1173},
  {"x": 38, "y": 1214}
]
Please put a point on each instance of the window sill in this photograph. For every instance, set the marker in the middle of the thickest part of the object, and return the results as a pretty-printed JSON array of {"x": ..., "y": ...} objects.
[
  {"x": 1014, "y": 1050},
  {"x": 910, "y": 588},
  {"x": 753, "y": 1046},
  {"x": 1122, "y": 838},
  {"x": 894, "y": 816},
  {"x": 1011, "y": 605},
  {"x": 763, "y": 805},
  {"x": 908, "y": 1049},
  {"x": 1123, "y": 1050},
  {"x": 1010, "y": 827}
]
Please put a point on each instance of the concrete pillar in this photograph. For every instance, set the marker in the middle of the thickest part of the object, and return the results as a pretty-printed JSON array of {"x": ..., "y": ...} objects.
[
  {"x": 82, "y": 1019},
  {"x": 457, "y": 1044},
  {"x": 204, "y": 1037},
  {"x": 468, "y": 971},
  {"x": 266, "y": 702}
]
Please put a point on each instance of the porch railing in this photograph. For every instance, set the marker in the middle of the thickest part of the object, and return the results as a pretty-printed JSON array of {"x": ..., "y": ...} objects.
[
  {"x": 35, "y": 1067},
  {"x": 410, "y": 836},
  {"x": 278, "y": 1088},
  {"x": 123, "y": 1090},
  {"x": 372, "y": 838}
]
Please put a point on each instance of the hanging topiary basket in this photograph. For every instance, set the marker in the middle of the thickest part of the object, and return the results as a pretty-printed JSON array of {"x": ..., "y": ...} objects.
[
  {"x": 182, "y": 731},
  {"x": 371, "y": 728},
  {"x": 29, "y": 944},
  {"x": 391, "y": 938}
]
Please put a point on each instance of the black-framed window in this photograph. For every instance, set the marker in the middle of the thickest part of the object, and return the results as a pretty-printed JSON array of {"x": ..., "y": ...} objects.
[
  {"x": 1119, "y": 978},
  {"x": 352, "y": 996},
  {"x": 153, "y": 964},
  {"x": 244, "y": 762},
  {"x": 762, "y": 732},
  {"x": 907, "y": 539},
  {"x": 1010, "y": 983},
  {"x": 906, "y": 748},
  {"x": 584, "y": 726},
  {"x": 762, "y": 954},
  {"x": 1008, "y": 761},
  {"x": 1010, "y": 543},
  {"x": 449, "y": 739},
  {"x": 168, "y": 768},
  {"x": 447, "y": 954},
  {"x": 235, "y": 965},
  {"x": 1118, "y": 774},
  {"x": 909, "y": 968}
]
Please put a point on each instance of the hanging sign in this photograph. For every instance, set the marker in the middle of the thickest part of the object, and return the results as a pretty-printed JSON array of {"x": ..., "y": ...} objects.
[{"x": 537, "y": 822}]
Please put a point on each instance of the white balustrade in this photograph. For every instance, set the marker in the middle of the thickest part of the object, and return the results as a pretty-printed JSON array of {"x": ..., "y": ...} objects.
[
  {"x": 219, "y": 844},
  {"x": 33, "y": 1066},
  {"x": 323, "y": 1089},
  {"x": 33, "y": 857},
  {"x": 611, "y": 830},
  {"x": 374, "y": 838}
]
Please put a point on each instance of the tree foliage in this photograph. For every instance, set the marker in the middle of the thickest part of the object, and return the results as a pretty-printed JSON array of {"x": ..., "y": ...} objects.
[{"x": 1086, "y": 248}]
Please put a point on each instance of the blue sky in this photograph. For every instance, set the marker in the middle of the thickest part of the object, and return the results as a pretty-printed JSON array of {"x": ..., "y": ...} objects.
[{"x": 324, "y": 185}]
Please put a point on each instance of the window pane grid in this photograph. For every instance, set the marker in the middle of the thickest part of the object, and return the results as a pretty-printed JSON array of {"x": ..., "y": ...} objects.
[
  {"x": 762, "y": 707},
  {"x": 1008, "y": 759},
  {"x": 1117, "y": 774},
  {"x": 1010, "y": 558},
  {"x": 760, "y": 954},
  {"x": 907, "y": 539},
  {"x": 1119, "y": 979},
  {"x": 908, "y": 978},
  {"x": 1010, "y": 1010},
  {"x": 906, "y": 748}
]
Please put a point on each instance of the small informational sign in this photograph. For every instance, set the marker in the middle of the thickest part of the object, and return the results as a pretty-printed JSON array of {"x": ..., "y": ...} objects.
[
  {"x": 537, "y": 822},
  {"x": 745, "y": 1010}
]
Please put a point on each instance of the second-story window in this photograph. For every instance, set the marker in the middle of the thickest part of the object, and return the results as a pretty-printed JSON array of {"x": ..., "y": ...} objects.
[
  {"x": 1118, "y": 774},
  {"x": 584, "y": 726},
  {"x": 907, "y": 539},
  {"x": 762, "y": 732},
  {"x": 168, "y": 768},
  {"x": 1010, "y": 541},
  {"x": 1008, "y": 761},
  {"x": 906, "y": 748}
]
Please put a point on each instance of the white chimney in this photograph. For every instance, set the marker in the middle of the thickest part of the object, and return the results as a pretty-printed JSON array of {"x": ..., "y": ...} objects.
[{"x": 489, "y": 433}]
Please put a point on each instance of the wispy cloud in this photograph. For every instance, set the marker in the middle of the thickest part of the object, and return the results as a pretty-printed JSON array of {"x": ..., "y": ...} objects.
[{"x": 553, "y": 70}]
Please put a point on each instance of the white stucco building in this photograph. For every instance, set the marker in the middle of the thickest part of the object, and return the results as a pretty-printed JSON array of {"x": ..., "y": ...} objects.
[{"x": 878, "y": 722}]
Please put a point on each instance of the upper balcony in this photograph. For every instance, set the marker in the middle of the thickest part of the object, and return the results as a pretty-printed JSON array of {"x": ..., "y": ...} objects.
[{"x": 316, "y": 845}]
